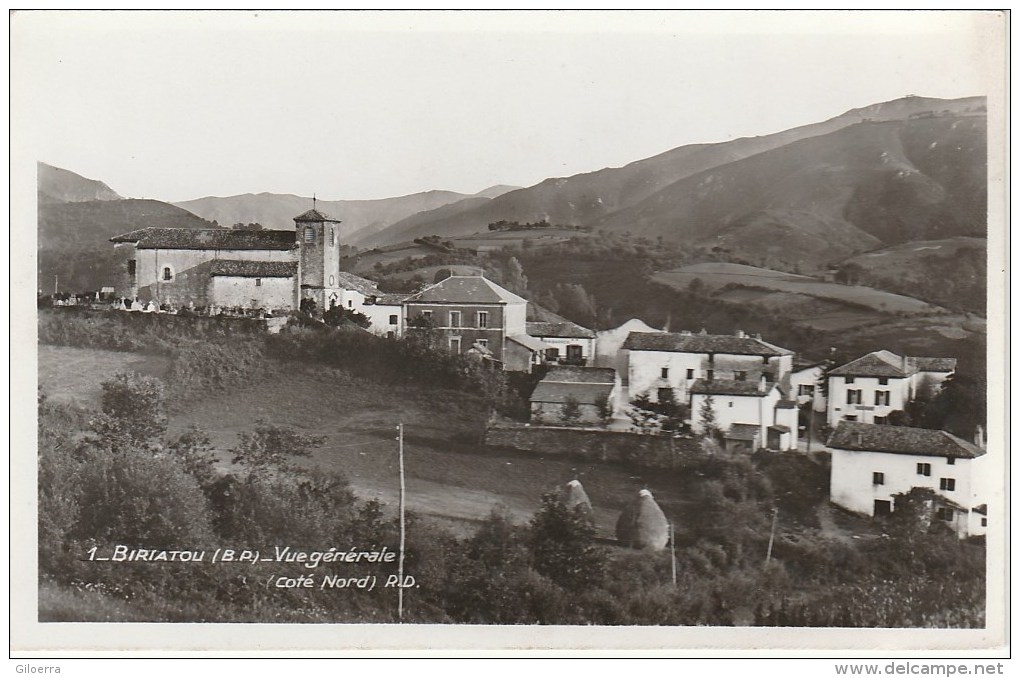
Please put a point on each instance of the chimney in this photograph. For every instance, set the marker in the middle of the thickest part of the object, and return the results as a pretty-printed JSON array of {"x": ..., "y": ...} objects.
[
  {"x": 757, "y": 335},
  {"x": 979, "y": 437},
  {"x": 763, "y": 383},
  {"x": 740, "y": 334}
]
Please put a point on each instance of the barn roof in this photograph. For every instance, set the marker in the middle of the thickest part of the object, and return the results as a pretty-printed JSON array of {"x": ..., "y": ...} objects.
[
  {"x": 253, "y": 269},
  {"x": 581, "y": 375},
  {"x": 465, "y": 289},
  {"x": 559, "y": 392},
  {"x": 701, "y": 343},
  {"x": 208, "y": 239},
  {"x": 855, "y": 436}
]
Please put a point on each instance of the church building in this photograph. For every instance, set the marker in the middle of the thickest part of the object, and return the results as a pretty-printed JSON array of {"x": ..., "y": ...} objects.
[{"x": 266, "y": 269}]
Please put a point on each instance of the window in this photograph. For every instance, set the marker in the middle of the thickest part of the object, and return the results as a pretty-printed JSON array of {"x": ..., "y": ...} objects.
[
  {"x": 881, "y": 397},
  {"x": 390, "y": 335},
  {"x": 951, "y": 460},
  {"x": 483, "y": 342},
  {"x": 883, "y": 507},
  {"x": 849, "y": 380},
  {"x": 427, "y": 315},
  {"x": 710, "y": 374},
  {"x": 455, "y": 344},
  {"x": 309, "y": 234},
  {"x": 132, "y": 266},
  {"x": 850, "y": 417},
  {"x": 393, "y": 320},
  {"x": 740, "y": 375},
  {"x": 350, "y": 303},
  {"x": 332, "y": 236},
  {"x": 853, "y": 396},
  {"x": 483, "y": 319},
  {"x": 877, "y": 478},
  {"x": 665, "y": 395},
  {"x": 806, "y": 390},
  {"x": 258, "y": 282},
  {"x": 984, "y": 522},
  {"x": 574, "y": 353},
  {"x": 924, "y": 469},
  {"x": 664, "y": 373},
  {"x": 947, "y": 484},
  {"x": 881, "y": 420},
  {"x": 454, "y": 318},
  {"x": 883, "y": 381},
  {"x": 168, "y": 274},
  {"x": 730, "y": 403},
  {"x": 944, "y": 513},
  {"x": 552, "y": 354},
  {"x": 690, "y": 374},
  {"x": 332, "y": 281}
]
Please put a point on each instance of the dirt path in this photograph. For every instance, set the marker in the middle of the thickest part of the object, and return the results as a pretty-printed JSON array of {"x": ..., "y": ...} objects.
[{"x": 829, "y": 528}]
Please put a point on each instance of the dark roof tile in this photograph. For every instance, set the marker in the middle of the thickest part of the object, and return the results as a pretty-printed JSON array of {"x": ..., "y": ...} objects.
[
  {"x": 558, "y": 392},
  {"x": 859, "y": 437},
  {"x": 701, "y": 343},
  {"x": 465, "y": 289},
  {"x": 253, "y": 269},
  {"x": 730, "y": 387},
  {"x": 208, "y": 239},
  {"x": 565, "y": 329},
  {"x": 315, "y": 216},
  {"x": 581, "y": 375}
]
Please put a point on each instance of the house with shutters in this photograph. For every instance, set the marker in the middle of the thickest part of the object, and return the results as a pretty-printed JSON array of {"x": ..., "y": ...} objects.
[
  {"x": 568, "y": 342},
  {"x": 360, "y": 295},
  {"x": 470, "y": 312},
  {"x": 873, "y": 463},
  {"x": 870, "y": 388},
  {"x": 663, "y": 365}
]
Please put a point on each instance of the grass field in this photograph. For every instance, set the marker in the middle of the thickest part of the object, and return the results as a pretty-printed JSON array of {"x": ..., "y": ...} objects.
[
  {"x": 717, "y": 274},
  {"x": 74, "y": 375}
]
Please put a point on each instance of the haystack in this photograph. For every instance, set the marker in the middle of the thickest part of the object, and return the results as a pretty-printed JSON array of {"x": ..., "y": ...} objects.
[
  {"x": 574, "y": 495},
  {"x": 643, "y": 525}
]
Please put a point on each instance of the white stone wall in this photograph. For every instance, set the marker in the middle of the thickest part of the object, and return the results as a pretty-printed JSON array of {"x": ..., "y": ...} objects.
[
  {"x": 808, "y": 377},
  {"x": 644, "y": 370},
  {"x": 515, "y": 318},
  {"x": 272, "y": 294},
  {"x": 587, "y": 346},
  {"x": 381, "y": 316}
]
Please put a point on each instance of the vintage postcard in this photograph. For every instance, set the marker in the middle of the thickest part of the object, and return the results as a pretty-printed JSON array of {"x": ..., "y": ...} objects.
[{"x": 466, "y": 331}]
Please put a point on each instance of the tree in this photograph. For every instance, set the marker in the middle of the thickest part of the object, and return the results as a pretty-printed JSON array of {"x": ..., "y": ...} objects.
[
  {"x": 194, "y": 450},
  {"x": 570, "y": 412},
  {"x": 309, "y": 306},
  {"x": 133, "y": 407},
  {"x": 709, "y": 427},
  {"x": 338, "y": 316},
  {"x": 562, "y": 545},
  {"x": 604, "y": 404},
  {"x": 271, "y": 448},
  {"x": 441, "y": 275},
  {"x": 515, "y": 280}
]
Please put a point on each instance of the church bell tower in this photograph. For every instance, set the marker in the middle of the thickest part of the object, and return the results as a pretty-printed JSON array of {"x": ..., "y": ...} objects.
[{"x": 318, "y": 239}]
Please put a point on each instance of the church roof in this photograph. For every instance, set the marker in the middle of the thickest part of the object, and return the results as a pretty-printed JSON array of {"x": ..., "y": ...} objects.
[
  {"x": 465, "y": 289},
  {"x": 208, "y": 239},
  {"x": 315, "y": 216},
  {"x": 238, "y": 268}
]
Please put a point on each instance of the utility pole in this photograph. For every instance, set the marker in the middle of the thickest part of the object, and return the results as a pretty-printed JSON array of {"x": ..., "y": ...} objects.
[
  {"x": 672, "y": 549},
  {"x": 400, "y": 561},
  {"x": 56, "y": 287},
  {"x": 772, "y": 534}
]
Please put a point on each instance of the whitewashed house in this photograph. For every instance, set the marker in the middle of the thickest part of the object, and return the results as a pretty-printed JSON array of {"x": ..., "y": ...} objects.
[
  {"x": 871, "y": 387},
  {"x": 385, "y": 311},
  {"x": 609, "y": 345},
  {"x": 872, "y": 463},
  {"x": 567, "y": 342},
  {"x": 665, "y": 364},
  {"x": 750, "y": 414},
  {"x": 805, "y": 384}
]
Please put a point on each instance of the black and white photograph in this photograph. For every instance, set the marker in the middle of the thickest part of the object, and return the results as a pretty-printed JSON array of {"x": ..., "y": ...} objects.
[{"x": 517, "y": 329}]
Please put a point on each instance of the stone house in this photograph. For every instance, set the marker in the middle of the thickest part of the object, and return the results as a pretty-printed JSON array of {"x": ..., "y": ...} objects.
[
  {"x": 568, "y": 342},
  {"x": 871, "y": 387},
  {"x": 592, "y": 389},
  {"x": 872, "y": 463},
  {"x": 751, "y": 415}
]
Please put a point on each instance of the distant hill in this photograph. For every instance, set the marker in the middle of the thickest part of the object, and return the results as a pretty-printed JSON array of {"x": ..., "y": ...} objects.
[
  {"x": 60, "y": 185},
  {"x": 277, "y": 211},
  {"x": 826, "y": 197},
  {"x": 74, "y": 238},
  {"x": 590, "y": 198},
  {"x": 495, "y": 191}
]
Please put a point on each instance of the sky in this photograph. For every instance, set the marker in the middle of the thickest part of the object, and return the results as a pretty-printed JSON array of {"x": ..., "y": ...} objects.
[{"x": 181, "y": 105}]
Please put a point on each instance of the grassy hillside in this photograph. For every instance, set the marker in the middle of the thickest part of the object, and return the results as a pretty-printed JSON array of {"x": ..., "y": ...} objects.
[
  {"x": 74, "y": 237},
  {"x": 360, "y": 218},
  {"x": 60, "y": 185},
  {"x": 592, "y": 197},
  {"x": 827, "y": 197}
]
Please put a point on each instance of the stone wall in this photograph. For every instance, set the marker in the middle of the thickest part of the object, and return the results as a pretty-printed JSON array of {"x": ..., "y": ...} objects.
[{"x": 594, "y": 445}]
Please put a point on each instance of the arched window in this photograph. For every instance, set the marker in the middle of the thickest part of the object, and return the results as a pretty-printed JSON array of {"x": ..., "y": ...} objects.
[
  {"x": 168, "y": 274},
  {"x": 309, "y": 234},
  {"x": 332, "y": 236}
]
